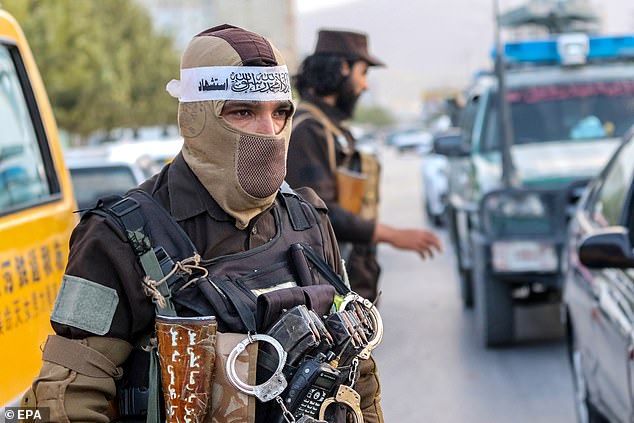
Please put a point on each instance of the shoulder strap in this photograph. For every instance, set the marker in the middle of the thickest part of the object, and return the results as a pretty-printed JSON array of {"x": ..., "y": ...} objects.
[
  {"x": 155, "y": 237},
  {"x": 312, "y": 112},
  {"x": 325, "y": 269},
  {"x": 299, "y": 216},
  {"x": 130, "y": 215}
]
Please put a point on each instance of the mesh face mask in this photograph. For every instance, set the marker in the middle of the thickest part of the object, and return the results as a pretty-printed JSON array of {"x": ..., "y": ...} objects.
[
  {"x": 242, "y": 171},
  {"x": 261, "y": 165}
]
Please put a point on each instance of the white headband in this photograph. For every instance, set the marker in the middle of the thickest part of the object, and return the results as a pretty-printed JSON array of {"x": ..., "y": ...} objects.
[{"x": 250, "y": 83}]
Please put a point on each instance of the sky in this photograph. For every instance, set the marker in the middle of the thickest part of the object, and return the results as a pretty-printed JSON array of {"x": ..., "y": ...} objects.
[
  {"x": 307, "y": 6},
  {"x": 427, "y": 44}
]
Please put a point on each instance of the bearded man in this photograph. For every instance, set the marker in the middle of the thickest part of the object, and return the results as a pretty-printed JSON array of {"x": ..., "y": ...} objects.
[{"x": 323, "y": 156}]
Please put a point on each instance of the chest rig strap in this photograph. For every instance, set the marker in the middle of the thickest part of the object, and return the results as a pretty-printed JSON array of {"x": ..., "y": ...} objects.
[
  {"x": 300, "y": 219},
  {"x": 232, "y": 293},
  {"x": 131, "y": 217}
]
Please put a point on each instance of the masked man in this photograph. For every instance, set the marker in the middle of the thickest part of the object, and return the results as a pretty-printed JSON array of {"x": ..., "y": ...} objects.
[
  {"x": 323, "y": 156},
  {"x": 216, "y": 232}
]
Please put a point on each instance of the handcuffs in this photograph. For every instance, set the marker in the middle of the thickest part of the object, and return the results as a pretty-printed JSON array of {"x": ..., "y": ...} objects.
[
  {"x": 273, "y": 388},
  {"x": 268, "y": 390},
  {"x": 375, "y": 316}
]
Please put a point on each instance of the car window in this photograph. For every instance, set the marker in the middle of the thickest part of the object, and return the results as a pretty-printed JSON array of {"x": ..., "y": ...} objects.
[
  {"x": 566, "y": 112},
  {"x": 23, "y": 179},
  {"x": 612, "y": 194},
  {"x": 89, "y": 183}
]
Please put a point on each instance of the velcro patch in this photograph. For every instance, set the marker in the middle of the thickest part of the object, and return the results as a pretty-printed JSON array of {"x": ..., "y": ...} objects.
[{"x": 85, "y": 305}]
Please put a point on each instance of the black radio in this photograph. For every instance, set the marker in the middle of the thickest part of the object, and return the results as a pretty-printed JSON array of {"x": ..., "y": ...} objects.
[{"x": 312, "y": 383}]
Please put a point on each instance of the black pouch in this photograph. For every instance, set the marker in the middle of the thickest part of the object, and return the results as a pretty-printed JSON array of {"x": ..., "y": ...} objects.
[
  {"x": 271, "y": 305},
  {"x": 319, "y": 298},
  {"x": 296, "y": 332}
]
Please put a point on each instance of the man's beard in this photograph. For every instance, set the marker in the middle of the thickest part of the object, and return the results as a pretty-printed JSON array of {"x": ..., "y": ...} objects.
[{"x": 347, "y": 98}]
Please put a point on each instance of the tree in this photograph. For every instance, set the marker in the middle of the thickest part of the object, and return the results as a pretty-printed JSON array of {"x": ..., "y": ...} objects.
[
  {"x": 375, "y": 115},
  {"x": 103, "y": 64}
]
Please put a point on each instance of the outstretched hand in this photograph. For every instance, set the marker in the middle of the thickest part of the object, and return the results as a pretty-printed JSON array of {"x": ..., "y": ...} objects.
[{"x": 422, "y": 241}]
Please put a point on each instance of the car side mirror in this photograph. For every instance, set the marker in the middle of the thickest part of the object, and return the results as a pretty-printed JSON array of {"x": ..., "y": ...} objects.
[
  {"x": 609, "y": 247},
  {"x": 450, "y": 145}
]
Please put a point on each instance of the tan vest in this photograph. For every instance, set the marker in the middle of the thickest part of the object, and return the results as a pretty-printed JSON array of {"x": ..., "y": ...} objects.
[{"x": 357, "y": 192}]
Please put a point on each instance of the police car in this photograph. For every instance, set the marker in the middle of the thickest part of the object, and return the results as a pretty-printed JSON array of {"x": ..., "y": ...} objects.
[{"x": 570, "y": 99}]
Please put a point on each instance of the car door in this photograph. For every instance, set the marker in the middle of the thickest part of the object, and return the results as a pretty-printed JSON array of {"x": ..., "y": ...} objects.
[
  {"x": 613, "y": 311},
  {"x": 36, "y": 219},
  {"x": 580, "y": 293},
  {"x": 460, "y": 182}
]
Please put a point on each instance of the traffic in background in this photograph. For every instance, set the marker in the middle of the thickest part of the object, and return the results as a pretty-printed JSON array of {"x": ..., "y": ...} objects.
[{"x": 510, "y": 210}]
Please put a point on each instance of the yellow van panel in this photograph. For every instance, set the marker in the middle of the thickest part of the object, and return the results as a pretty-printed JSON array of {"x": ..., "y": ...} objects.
[{"x": 33, "y": 252}]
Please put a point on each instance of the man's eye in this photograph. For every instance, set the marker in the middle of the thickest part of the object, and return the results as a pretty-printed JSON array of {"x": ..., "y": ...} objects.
[
  {"x": 283, "y": 113},
  {"x": 242, "y": 113}
]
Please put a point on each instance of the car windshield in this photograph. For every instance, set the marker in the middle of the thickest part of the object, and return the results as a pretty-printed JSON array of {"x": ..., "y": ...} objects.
[
  {"x": 590, "y": 110},
  {"x": 92, "y": 183}
]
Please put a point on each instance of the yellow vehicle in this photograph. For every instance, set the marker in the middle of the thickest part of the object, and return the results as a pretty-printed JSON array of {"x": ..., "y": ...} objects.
[{"x": 36, "y": 219}]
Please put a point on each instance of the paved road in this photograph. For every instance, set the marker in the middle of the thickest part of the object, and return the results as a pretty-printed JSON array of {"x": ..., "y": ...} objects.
[{"x": 433, "y": 368}]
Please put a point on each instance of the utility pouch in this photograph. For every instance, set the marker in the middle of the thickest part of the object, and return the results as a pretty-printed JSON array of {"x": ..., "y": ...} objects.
[
  {"x": 297, "y": 334},
  {"x": 372, "y": 170},
  {"x": 347, "y": 335},
  {"x": 187, "y": 353},
  {"x": 272, "y": 305},
  {"x": 351, "y": 187},
  {"x": 228, "y": 404}
]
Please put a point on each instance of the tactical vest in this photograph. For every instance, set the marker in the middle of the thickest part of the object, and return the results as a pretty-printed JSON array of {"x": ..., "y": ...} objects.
[
  {"x": 246, "y": 291},
  {"x": 359, "y": 173}
]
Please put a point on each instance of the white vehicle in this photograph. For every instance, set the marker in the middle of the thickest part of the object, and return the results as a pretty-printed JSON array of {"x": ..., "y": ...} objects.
[
  {"x": 114, "y": 168},
  {"x": 150, "y": 156},
  {"x": 95, "y": 178},
  {"x": 434, "y": 171},
  {"x": 413, "y": 139}
]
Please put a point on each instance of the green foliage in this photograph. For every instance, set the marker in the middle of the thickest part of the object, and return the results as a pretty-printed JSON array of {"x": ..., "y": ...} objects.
[
  {"x": 103, "y": 64},
  {"x": 374, "y": 115}
]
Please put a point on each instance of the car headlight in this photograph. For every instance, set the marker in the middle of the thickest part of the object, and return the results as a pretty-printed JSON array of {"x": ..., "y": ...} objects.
[{"x": 516, "y": 205}]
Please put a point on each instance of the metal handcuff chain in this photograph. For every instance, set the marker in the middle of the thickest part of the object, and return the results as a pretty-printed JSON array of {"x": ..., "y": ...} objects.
[
  {"x": 375, "y": 316},
  {"x": 268, "y": 390}
]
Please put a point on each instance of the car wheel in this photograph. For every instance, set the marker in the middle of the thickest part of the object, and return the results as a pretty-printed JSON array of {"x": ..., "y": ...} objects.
[
  {"x": 464, "y": 275},
  {"x": 435, "y": 219},
  {"x": 466, "y": 288},
  {"x": 586, "y": 412},
  {"x": 493, "y": 304}
]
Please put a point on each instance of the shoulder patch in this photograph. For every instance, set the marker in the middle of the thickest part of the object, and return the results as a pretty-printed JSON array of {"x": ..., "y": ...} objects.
[
  {"x": 311, "y": 197},
  {"x": 85, "y": 305}
]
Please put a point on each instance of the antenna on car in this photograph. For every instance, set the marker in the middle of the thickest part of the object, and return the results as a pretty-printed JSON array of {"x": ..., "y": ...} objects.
[{"x": 504, "y": 112}]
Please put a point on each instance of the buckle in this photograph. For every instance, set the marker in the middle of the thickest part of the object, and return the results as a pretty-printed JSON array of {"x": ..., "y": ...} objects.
[{"x": 124, "y": 206}]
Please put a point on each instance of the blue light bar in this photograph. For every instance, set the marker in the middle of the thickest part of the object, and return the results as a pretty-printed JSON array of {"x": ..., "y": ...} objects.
[
  {"x": 611, "y": 47},
  {"x": 531, "y": 51},
  {"x": 545, "y": 51}
]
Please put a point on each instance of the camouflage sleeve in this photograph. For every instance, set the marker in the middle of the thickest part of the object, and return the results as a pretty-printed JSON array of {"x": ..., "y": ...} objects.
[
  {"x": 369, "y": 388},
  {"x": 74, "y": 388}
]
